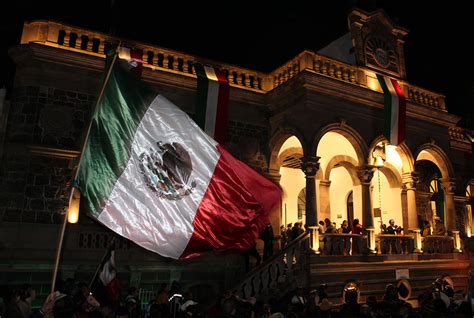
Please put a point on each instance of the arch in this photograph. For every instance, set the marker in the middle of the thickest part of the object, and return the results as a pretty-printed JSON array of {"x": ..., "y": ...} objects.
[
  {"x": 288, "y": 152},
  {"x": 436, "y": 155},
  {"x": 347, "y": 162},
  {"x": 408, "y": 161},
  {"x": 357, "y": 142},
  {"x": 393, "y": 177},
  {"x": 280, "y": 136}
]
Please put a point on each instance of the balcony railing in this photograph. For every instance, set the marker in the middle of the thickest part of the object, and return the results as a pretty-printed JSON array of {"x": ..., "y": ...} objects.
[{"x": 157, "y": 58}]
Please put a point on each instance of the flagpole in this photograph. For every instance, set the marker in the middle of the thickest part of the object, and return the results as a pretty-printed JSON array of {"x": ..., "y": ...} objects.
[{"x": 63, "y": 226}]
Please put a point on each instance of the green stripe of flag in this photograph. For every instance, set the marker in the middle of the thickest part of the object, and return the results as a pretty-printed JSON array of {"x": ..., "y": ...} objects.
[
  {"x": 108, "y": 147},
  {"x": 387, "y": 110}
]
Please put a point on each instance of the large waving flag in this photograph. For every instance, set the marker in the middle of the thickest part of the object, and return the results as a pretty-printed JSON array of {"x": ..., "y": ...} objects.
[
  {"x": 394, "y": 110},
  {"x": 212, "y": 100},
  {"x": 149, "y": 173}
]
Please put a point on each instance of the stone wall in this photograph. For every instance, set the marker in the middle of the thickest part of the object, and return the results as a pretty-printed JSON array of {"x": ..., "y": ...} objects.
[{"x": 48, "y": 116}]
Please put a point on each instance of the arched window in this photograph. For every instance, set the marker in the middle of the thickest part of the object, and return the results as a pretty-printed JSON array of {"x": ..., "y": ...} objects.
[
  {"x": 302, "y": 204},
  {"x": 437, "y": 198},
  {"x": 350, "y": 208}
]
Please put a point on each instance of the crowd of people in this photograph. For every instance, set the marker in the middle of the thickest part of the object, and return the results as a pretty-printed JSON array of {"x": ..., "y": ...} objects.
[
  {"x": 353, "y": 245},
  {"x": 75, "y": 300}
]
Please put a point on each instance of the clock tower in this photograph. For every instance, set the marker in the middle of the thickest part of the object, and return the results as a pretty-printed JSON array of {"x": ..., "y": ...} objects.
[{"x": 378, "y": 42}]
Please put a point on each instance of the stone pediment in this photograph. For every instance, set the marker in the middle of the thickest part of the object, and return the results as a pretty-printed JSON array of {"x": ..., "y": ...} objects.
[{"x": 378, "y": 42}]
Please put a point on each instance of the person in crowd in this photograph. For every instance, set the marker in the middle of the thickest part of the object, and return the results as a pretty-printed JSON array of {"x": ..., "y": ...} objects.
[
  {"x": 299, "y": 300},
  {"x": 346, "y": 241},
  {"x": 283, "y": 237},
  {"x": 27, "y": 295},
  {"x": 322, "y": 227},
  {"x": 252, "y": 252},
  {"x": 356, "y": 241},
  {"x": 288, "y": 232},
  {"x": 392, "y": 246},
  {"x": 162, "y": 301},
  {"x": 133, "y": 303},
  {"x": 439, "y": 228},
  {"x": 329, "y": 245},
  {"x": 426, "y": 230},
  {"x": 296, "y": 230},
  {"x": 267, "y": 237}
]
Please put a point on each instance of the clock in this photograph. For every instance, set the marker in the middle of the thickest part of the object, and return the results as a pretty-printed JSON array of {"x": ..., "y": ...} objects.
[
  {"x": 380, "y": 52},
  {"x": 381, "y": 57}
]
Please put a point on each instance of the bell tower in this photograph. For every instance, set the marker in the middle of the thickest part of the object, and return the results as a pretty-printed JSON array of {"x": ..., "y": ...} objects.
[{"x": 378, "y": 42}]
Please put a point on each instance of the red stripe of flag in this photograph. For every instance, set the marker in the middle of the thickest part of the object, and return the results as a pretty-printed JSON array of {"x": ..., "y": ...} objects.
[
  {"x": 234, "y": 220},
  {"x": 401, "y": 111},
  {"x": 222, "y": 107}
]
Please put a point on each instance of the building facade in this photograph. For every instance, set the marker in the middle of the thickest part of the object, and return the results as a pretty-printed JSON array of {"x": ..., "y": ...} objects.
[{"x": 314, "y": 125}]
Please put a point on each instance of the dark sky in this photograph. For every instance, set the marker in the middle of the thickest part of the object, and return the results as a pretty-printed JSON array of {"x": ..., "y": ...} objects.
[{"x": 263, "y": 35}]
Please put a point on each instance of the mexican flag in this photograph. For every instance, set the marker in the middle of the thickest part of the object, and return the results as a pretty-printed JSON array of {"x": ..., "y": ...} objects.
[
  {"x": 394, "y": 110},
  {"x": 150, "y": 174},
  {"x": 108, "y": 277},
  {"x": 212, "y": 101}
]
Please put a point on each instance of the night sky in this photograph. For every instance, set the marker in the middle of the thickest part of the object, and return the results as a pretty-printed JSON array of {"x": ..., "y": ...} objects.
[{"x": 263, "y": 35}]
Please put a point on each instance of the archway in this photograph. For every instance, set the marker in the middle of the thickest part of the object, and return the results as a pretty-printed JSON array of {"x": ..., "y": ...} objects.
[
  {"x": 338, "y": 177},
  {"x": 292, "y": 181}
]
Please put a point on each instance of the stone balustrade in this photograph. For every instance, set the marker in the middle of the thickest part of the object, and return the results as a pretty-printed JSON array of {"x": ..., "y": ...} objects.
[
  {"x": 157, "y": 58},
  {"x": 457, "y": 133},
  {"x": 425, "y": 97},
  {"x": 438, "y": 244},
  {"x": 77, "y": 39}
]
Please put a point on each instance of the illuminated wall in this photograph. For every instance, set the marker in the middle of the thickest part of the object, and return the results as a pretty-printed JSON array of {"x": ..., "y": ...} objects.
[
  {"x": 292, "y": 181},
  {"x": 341, "y": 185},
  {"x": 390, "y": 198}
]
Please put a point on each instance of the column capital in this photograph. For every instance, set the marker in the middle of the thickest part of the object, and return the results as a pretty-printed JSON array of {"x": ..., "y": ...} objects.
[
  {"x": 365, "y": 173},
  {"x": 410, "y": 180},
  {"x": 449, "y": 185},
  {"x": 310, "y": 165}
]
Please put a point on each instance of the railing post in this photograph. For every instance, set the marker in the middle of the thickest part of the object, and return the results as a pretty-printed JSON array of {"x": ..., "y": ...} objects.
[
  {"x": 371, "y": 241},
  {"x": 457, "y": 242},
  {"x": 417, "y": 241},
  {"x": 314, "y": 238}
]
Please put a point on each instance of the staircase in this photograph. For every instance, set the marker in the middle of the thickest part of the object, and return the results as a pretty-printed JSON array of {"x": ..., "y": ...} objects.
[
  {"x": 279, "y": 274},
  {"x": 297, "y": 265}
]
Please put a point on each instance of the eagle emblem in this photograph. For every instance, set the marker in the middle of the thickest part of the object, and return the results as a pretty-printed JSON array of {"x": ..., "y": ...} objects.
[{"x": 167, "y": 169}]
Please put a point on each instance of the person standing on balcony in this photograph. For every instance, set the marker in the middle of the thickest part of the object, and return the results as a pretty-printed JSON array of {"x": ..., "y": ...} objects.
[
  {"x": 426, "y": 228},
  {"x": 346, "y": 241},
  {"x": 356, "y": 241},
  {"x": 439, "y": 228}
]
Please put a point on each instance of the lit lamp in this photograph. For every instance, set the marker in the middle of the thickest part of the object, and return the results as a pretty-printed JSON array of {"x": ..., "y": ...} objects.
[
  {"x": 73, "y": 212},
  {"x": 379, "y": 155}
]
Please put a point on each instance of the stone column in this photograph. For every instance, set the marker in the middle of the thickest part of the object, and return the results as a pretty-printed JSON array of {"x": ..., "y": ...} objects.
[
  {"x": 365, "y": 174},
  {"x": 449, "y": 186},
  {"x": 310, "y": 166},
  {"x": 409, "y": 182},
  {"x": 276, "y": 213},
  {"x": 324, "y": 200}
]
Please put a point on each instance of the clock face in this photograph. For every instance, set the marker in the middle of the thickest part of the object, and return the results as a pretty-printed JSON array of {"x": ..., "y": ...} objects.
[
  {"x": 381, "y": 53},
  {"x": 381, "y": 57}
]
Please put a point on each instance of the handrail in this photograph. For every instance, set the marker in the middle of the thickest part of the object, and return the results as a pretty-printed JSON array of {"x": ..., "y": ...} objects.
[{"x": 283, "y": 266}]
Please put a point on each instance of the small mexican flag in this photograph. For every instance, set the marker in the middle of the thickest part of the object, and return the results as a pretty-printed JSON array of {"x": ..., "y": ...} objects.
[
  {"x": 212, "y": 101},
  {"x": 394, "y": 110}
]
